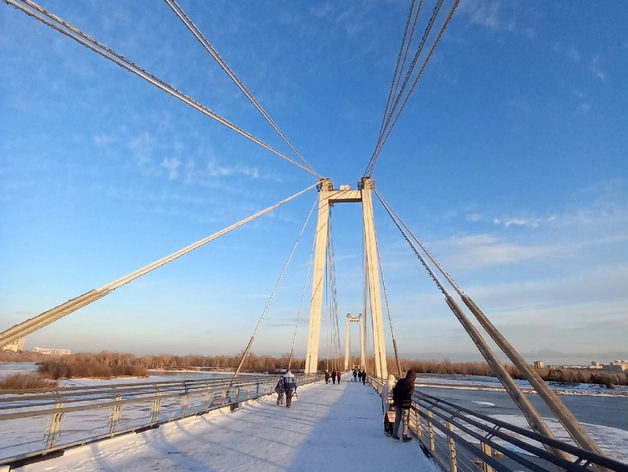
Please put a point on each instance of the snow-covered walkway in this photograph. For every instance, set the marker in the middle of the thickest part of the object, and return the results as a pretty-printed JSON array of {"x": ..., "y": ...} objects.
[{"x": 330, "y": 427}]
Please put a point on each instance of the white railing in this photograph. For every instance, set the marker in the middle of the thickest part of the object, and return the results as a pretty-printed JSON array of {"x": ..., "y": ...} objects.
[{"x": 40, "y": 422}]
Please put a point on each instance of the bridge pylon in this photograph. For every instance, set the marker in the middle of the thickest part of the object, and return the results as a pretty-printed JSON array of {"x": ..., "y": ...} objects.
[
  {"x": 327, "y": 197},
  {"x": 357, "y": 319}
]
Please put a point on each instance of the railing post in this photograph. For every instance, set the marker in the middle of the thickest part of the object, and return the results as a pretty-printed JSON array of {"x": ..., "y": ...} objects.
[
  {"x": 224, "y": 396},
  {"x": 185, "y": 402},
  {"x": 430, "y": 428},
  {"x": 486, "y": 449},
  {"x": 156, "y": 408},
  {"x": 115, "y": 416},
  {"x": 207, "y": 399},
  {"x": 258, "y": 384},
  {"x": 419, "y": 429},
  {"x": 54, "y": 429},
  {"x": 453, "y": 461}
]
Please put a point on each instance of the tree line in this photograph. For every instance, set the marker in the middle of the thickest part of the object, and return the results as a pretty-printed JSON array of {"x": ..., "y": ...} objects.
[{"x": 108, "y": 364}]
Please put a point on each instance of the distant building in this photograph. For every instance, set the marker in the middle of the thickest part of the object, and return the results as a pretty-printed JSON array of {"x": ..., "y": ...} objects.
[
  {"x": 596, "y": 365},
  {"x": 616, "y": 366},
  {"x": 15, "y": 346},
  {"x": 539, "y": 364},
  {"x": 52, "y": 352}
]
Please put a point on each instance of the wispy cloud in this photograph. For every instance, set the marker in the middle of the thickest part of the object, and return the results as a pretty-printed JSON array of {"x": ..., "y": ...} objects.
[
  {"x": 214, "y": 169},
  {"x": 596, "y": 67},
  {"x": 142, "y": 148},
  {"x": 103, "y": 140},
  {"x": 488, "y": 13},
  {"x": 171, "y": 165}
]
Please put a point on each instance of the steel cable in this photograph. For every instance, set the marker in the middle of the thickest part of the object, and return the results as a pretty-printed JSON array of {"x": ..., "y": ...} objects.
[
  {"x": 79, "y": 36},
  {"x": 176, "y": 8},
  {"x": 389, "y": 122},
  {"x": 270, "y": 299}
]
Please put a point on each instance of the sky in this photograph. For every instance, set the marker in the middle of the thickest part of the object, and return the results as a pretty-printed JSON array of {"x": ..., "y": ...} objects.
[{"x": 510, "y": 163}]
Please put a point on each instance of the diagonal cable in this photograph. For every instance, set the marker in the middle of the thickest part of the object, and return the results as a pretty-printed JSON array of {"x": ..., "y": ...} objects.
[
  {"x": 176, "y": 8},
  {"x": 270, "y": 299},
  {"x": 307, "y": 278},
  {"x": 393, "y": 115},
  {"x": 79, "y": 36},
  {"x": 416, "y": 80},
  {"x": 44, "y": 319}
]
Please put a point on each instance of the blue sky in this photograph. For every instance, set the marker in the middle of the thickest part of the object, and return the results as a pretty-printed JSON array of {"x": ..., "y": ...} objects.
[{"x": 510, "y": 163}]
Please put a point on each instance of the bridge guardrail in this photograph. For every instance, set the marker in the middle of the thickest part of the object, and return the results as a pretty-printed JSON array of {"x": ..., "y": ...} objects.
[
  {"x": 459, "y": 439},
  {"x": 74, "y": 416}
]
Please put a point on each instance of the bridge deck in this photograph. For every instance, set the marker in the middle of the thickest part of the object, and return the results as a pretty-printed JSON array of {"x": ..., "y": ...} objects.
[{"x": 330, "y": 427}]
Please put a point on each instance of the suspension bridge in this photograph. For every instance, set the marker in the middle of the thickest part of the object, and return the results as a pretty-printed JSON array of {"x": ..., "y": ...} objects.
[{"x": 189, "y": 427}]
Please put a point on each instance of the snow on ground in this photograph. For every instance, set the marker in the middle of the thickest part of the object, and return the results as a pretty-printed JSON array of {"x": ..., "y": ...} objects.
[{"x": 330, "y": 427}]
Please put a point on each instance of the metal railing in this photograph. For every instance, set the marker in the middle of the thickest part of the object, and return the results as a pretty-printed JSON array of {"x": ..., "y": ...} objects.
[
  {"x": 38, "y": 422},
  {"x": 461, "y": 440}
]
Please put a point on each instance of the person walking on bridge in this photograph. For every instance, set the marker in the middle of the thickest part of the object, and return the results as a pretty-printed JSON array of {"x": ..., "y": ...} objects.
[
  {"x": 326, "y": 376},
  {"x": 388, "y": 408},
  {"x": 289, "y": 386},
  {"x": 280, "y": 391},
  {"x": 333, "y": 376},
  {"x": 355, "y": 375},
  {"x": 338, "y": 376},
  {"x": 402, "y": 399}
]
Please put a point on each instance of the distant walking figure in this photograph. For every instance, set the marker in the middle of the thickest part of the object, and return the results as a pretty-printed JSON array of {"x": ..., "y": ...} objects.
[
  {"x": 355, "y": 375},
  {"x": 402, "y": 399},
  {"x": 280, "y": 391},
  {"x": 338, "y": 375},
  {"x": 388, "y": 408},
  {"x": 363, "y": 377},
  {"x": 333, "y": 376},
  {"x": 290, "y": 386},
  {"x": 326, "y": 376}
]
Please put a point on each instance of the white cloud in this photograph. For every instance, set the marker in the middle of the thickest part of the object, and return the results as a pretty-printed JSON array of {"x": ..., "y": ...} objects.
[
  {"x": 471, "y": 252},
  {"x": 574, "y": 54},
  {"x": 142, "y": 148},
  {"x": 103, "y": 140},
  {"x": 216, "y": 170},
  {"x": 596, "y": 68},
  {"x": 172, "y": 166},
  {"x": 490, "y": 14},
  {"x": 530, "y": 33}
]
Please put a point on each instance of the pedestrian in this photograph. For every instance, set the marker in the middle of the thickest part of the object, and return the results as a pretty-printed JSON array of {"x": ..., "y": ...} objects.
[
  {"x": 280, "y": 391},
  {"x": 363, "y": 377},
  {"x": 355, "y": 375},
  {"x": 326, "y": 376},
  {"x": 388, "y": 408},
  {"x": 289, "y": 386},
  {"x": 338, "y": 376},
  {"x": 333, "y": 376},
  {"x": 402, "y": 399}
]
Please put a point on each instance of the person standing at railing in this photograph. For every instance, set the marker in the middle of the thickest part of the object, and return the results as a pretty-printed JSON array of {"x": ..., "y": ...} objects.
[
  {"x": 388, "y": 408},
  {"x": 402, "y": 399},
  {"x": 289, "y": 386},
  {"x": 280, "y": 390}
]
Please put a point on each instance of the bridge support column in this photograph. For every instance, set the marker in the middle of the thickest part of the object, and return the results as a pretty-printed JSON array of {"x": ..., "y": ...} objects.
[
  {"x": 362, "y": 343},
  {"x": 348, "y": 343},
  {"x": 370, "y": 244},
  {"x": 318, "y": 279}
]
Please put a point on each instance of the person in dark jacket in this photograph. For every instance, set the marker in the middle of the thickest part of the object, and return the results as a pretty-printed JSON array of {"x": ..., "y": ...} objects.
[
  {"x": 363, "y": 377},
  {"x": 326, "y": 376},
  {"x": 333, "y": 376},
  {"x": 338, "y": 376},
  {"x": 355, "y": 375},
  {"x": 402, "y": 399}
]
